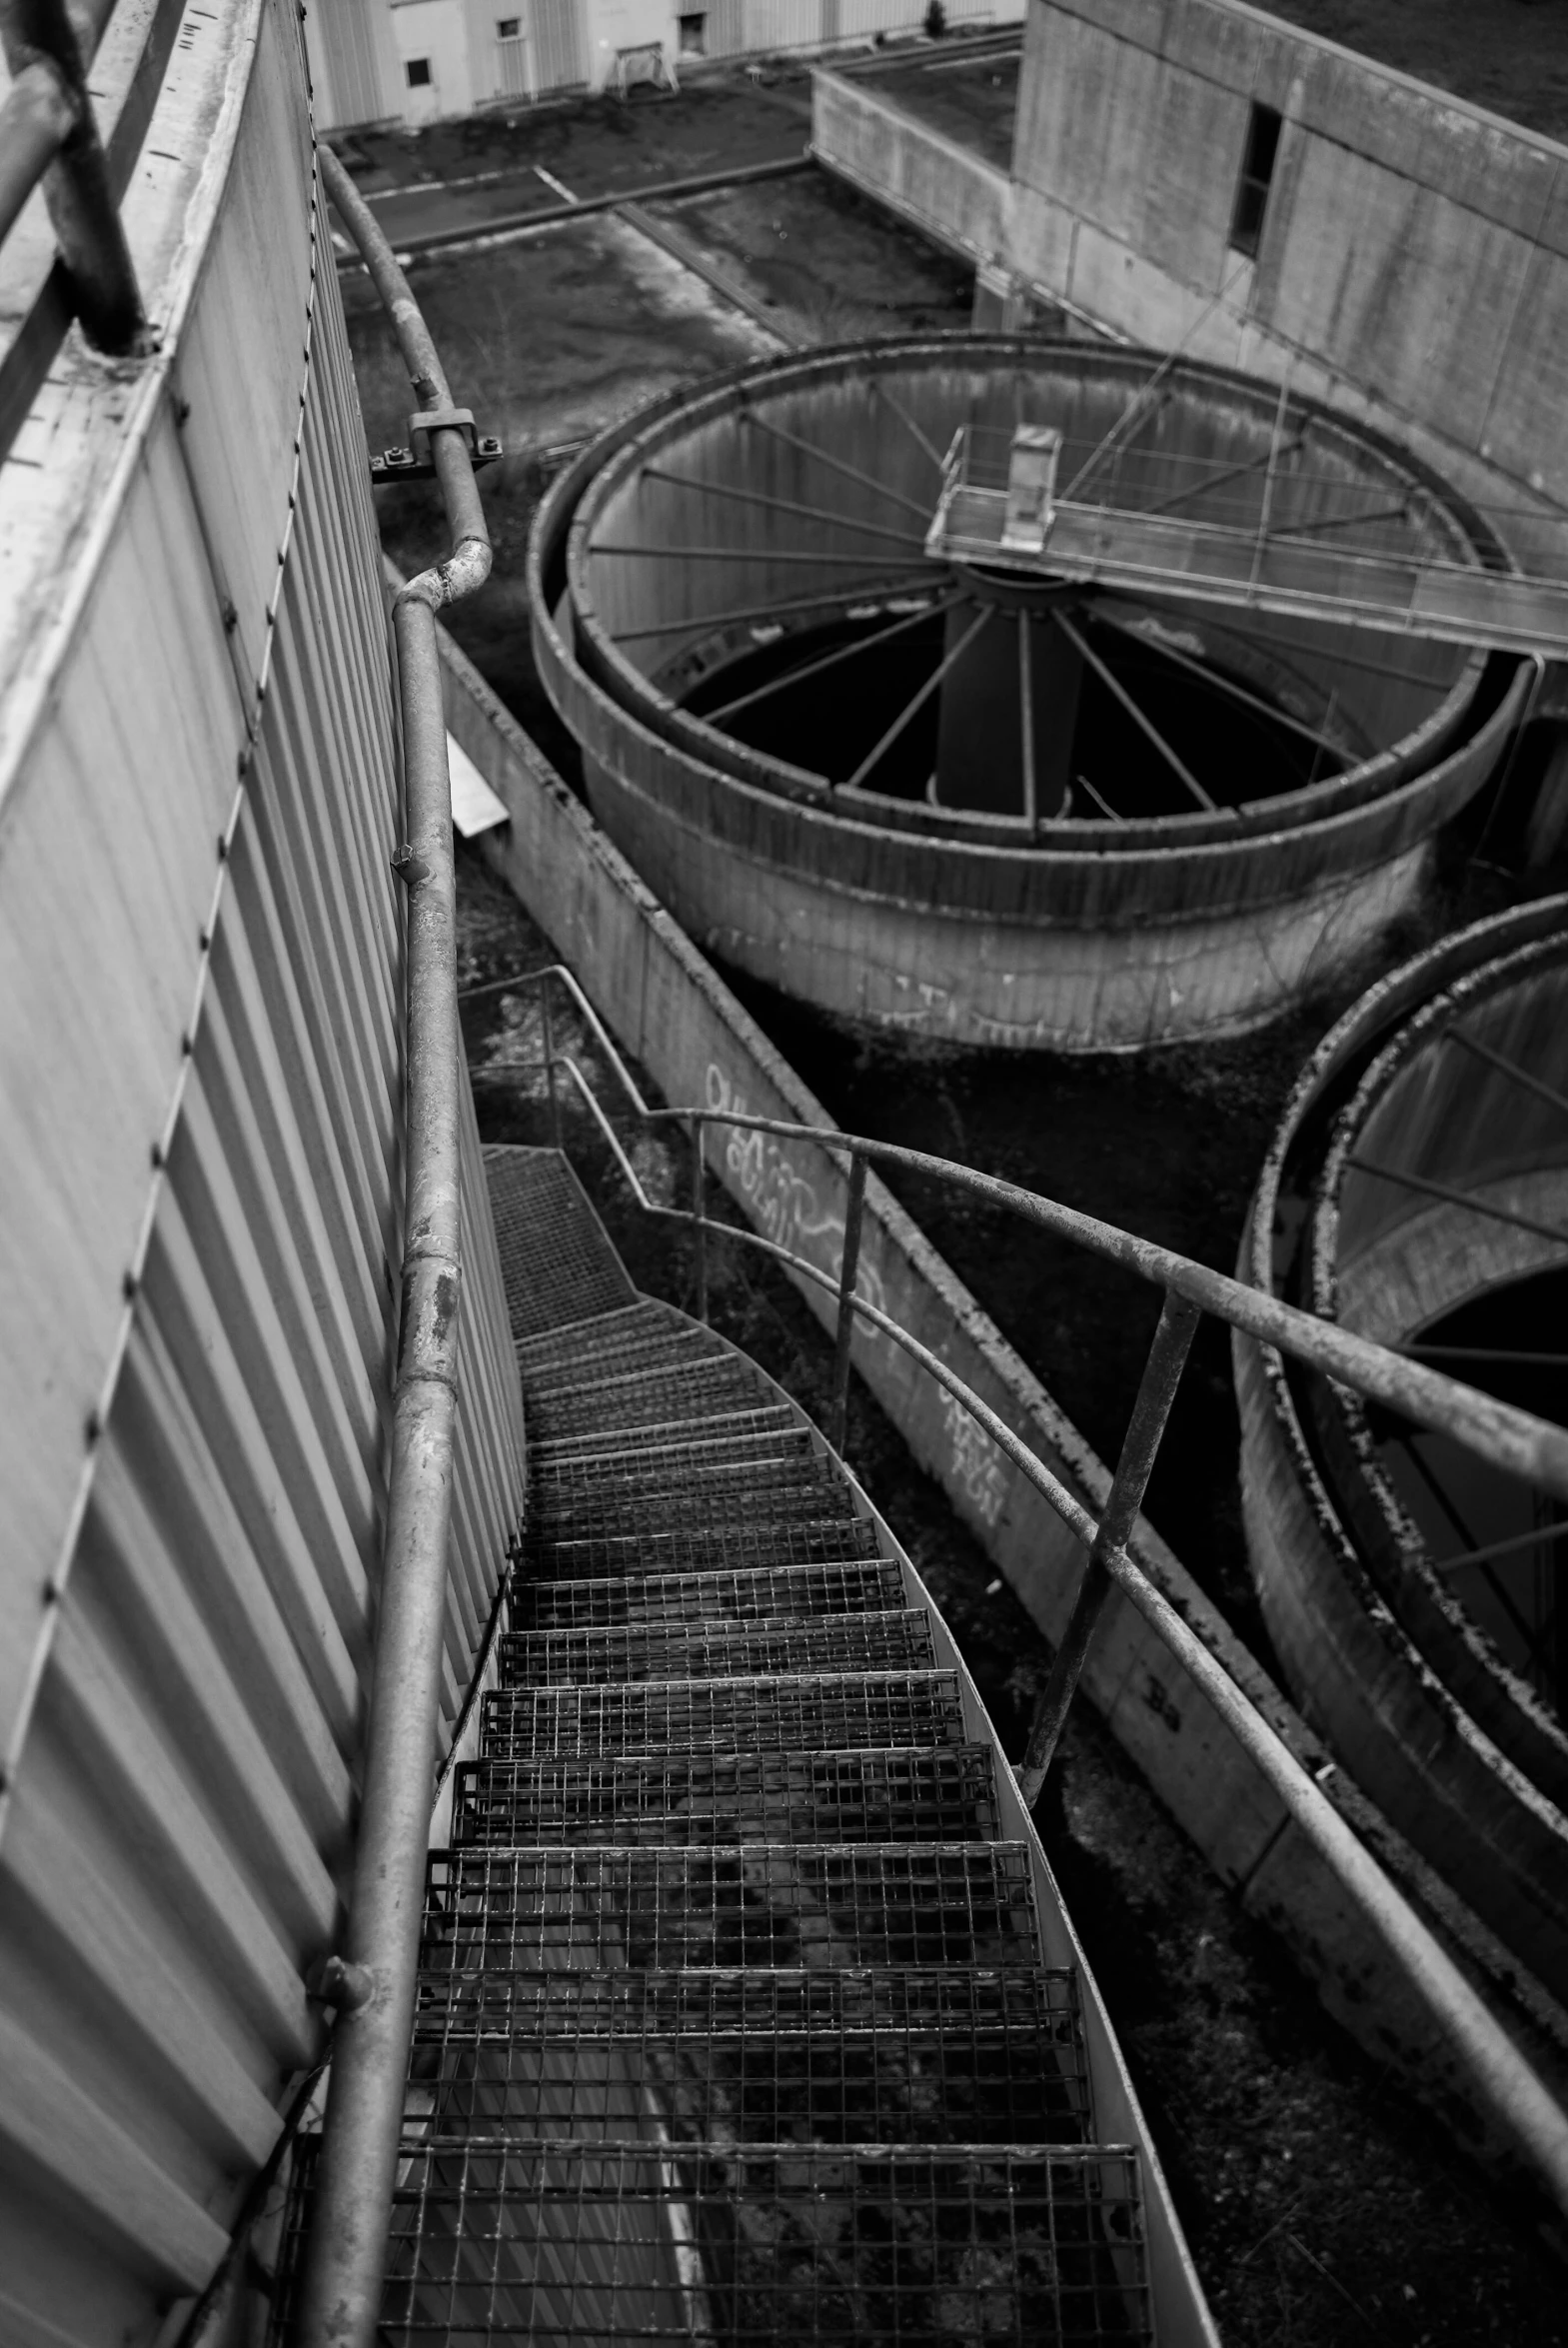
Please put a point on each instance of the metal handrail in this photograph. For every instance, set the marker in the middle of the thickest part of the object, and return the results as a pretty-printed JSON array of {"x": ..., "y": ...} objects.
[
  {"x": 372, "y": 1984},
  {"x": 50, "y": 138},
  {"x": 1524, "y": 2108}
]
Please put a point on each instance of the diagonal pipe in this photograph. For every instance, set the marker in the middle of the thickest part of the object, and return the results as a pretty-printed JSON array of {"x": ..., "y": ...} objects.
[{"x": 340, "y": 2287}]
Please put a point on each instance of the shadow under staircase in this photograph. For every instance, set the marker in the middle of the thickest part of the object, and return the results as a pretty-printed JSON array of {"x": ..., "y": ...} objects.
[{"x": 733, "y": 2025}]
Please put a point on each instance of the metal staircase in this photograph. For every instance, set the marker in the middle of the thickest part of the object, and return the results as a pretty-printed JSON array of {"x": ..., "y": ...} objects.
[{"x": 733, "y": 2024}]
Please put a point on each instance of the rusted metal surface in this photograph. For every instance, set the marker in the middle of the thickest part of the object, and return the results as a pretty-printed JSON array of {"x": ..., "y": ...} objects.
[
  {"x": 855, "y": 1213},
  {"x": 81, "y": 196},
  {"x": 665, "y": 1002},
  {"x": 1520, "y": 2103},
  {"x": 202, "y": 946},
  {"x": 1437, "y": 1694},
  {"x": 128, "y": 54},
  {"x": 1167, "y": 1356},
  {"x": 1514, "y": 1440},
  {"x": 37, "y": 114},
  {"x": 342, "y": 2287}
]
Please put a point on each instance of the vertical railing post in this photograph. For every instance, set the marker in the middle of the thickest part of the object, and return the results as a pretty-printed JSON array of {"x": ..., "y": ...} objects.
[
  {"x": 77, "y": 187},
  {"x": 699, "y": 1232},
  {"x": 838, "y": 1414},
  {"x": 549, "y": 1064},
  {"x": 1156, "y": 1391}
]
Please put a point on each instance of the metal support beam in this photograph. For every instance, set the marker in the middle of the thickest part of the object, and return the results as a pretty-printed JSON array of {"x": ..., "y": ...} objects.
[
  {"x": 912, "y": 708},
  {"x": 76, "y": 185},
  {"x": 756, "y": 497},
  {"x": 1168, "y": 1357},
  {"x": 875, "y": 586},
  {"x": 1509, "y": 1067},
  {"x": 38, "y": 115},
  {"x": 1027, "y": 720},
  {"x": 1114, "y": 685},
  {"x": 838, "y": 1416},
  {"x": 700, "y": 1211},
  {"x": 1453, "y": 1197},
  {"x": 846, "y": 652},
  {"x": 846, "y": 470}
]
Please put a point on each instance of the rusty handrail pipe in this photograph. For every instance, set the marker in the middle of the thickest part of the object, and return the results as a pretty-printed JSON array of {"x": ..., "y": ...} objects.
[
  {"x": 340, "y": 2287},
  {"x": 51, "y": 140},
  {"x": 1509, "y": 1438},
  {"x": 36, "y": 119},
  {"x": 1526, "y": 2110}
]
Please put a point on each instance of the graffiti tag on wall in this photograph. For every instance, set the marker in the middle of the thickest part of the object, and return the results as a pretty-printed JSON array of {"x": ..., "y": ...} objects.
[
  {"x": 977, "y": 1462},
  {"x": 789, "y": 1211},
  {"x": 784, "y": 1200}
]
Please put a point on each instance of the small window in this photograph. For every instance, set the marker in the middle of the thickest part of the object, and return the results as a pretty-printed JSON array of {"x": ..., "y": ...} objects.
[
  {"x": 419, "y": 73},
  {"x": 693, "y": 35},
  {"x": 1257, "y": 172},
  {"x": 509, "y": 28}
]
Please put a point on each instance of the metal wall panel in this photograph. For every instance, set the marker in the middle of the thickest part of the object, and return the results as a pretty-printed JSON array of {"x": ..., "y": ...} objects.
[
  {"x": 560, "y": 45},
  {"x": 201, "y": 1050}
]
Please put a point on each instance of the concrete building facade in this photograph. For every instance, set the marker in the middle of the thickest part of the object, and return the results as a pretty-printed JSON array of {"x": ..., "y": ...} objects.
[
  {"x": 1195, "y": 173},
  {"x": 418, "y": 61}
]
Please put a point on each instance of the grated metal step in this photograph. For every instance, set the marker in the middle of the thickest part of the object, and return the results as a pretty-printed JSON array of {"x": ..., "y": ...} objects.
[
  {"x": 737, "y": 1493},
  {"x": 619, "y": 2245},
  {"x": 733, "y": 2028},
  {"x": 944, "y": 1795},
  {"x": 755, "y": 1904},
  {"x": 647, "y": 1397},
  {"x": 640, "y": 1337},
  {"x": 787, "y": 1593},
  {"x": 882, "y": 2059},
  {"x": 612, "y": 1440},
  {"x": 852, "y": 1642},
  {"x": 811, "y": 1713},
  {"x": 957, "y": 2004},
  {"x": 703, "y": 1549},
  {"x": 690, "y": 1458},
  {"x": 555, "y": 1258}
]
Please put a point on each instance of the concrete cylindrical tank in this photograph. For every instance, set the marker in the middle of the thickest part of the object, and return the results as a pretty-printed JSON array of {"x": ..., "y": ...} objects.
[
  {"x": 998, "y": 810},
  {"x": 1418, "y": 1190}
]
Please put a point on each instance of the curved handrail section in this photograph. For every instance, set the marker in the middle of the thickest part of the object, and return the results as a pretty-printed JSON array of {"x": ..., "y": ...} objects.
[
  {"x": 1519, "y": 2100},
  {"x": 345, "y": 2256},
  {"x": 1514, "y": 1440}
]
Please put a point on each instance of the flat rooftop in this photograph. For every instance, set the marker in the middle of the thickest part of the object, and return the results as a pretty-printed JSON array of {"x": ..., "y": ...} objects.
[
  {"x": 1511, "y": 58},
  {"x": 970, "y": 99}
]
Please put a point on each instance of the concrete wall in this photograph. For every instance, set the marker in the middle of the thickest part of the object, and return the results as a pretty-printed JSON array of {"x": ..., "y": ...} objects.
[
  {"x": 669, "y": 1008},
  {"x": 1414, "y": 250},
  {"x": 942, "y": 188},
  {"x": 1413, "y": 263},
  {"x": 359, "y": 48}
]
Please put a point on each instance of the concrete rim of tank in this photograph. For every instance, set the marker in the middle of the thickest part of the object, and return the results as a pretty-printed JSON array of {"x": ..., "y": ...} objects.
[
  {"x": 965, "y": 879},
  {"x": 1267, "y": 1391},
  {"x": 1540, "y": 1740},
  {"x": 560, "y": 544}
]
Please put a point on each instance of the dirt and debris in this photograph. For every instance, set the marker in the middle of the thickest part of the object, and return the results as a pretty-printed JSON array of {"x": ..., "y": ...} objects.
[{"x": 1322, "y": 2206}]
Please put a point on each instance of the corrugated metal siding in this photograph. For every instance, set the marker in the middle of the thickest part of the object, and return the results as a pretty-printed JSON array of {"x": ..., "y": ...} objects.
[
  {"x": 353, "y": 64},
  {"x": 560, "y": 45},
  {"x": 202, "y": 1068}
]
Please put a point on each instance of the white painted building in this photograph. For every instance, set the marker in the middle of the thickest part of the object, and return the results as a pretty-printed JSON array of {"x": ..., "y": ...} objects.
[{"x": 416, "y": 61}]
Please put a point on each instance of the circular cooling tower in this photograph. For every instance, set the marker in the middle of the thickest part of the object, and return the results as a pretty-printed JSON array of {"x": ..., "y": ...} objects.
[
  {"x": 985, "y": 805},
  {"x": 1417, "y": 1191}
]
